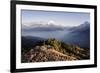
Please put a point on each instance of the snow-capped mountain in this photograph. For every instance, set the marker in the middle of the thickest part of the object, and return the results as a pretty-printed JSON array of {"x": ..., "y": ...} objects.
[
  {"x": 42, "y": 26},
  {"x": 52, "y": 26}
]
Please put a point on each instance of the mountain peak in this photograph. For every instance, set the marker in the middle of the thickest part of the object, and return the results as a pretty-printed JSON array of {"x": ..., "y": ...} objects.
[
  {"x": 85, "y": 24},
  {"x": 51, "y": 22}
]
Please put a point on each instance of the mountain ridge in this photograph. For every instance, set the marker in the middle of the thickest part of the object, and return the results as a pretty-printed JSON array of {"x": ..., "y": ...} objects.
[{"x": 42, "y": 27}]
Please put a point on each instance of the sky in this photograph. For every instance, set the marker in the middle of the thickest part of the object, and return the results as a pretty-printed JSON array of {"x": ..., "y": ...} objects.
[{"x": 58, "y": 18}]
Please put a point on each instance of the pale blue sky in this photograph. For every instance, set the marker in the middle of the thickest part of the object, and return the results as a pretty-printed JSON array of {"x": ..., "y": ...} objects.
[{"x": 63, "y": 18}]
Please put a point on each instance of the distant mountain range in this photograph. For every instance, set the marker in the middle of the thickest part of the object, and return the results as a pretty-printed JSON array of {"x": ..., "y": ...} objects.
[
  {"x": 78, "y": 35},
  {"x": 41, "y": 27}
]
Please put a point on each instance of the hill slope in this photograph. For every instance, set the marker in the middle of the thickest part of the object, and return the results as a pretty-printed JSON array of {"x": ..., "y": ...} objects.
[
  {"x": 54, "y": 50},
  {"x": 45, "y": 55}
]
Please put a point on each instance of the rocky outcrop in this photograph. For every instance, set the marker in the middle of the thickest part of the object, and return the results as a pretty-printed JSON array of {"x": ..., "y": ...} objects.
[{"x": 42, "y": 54}]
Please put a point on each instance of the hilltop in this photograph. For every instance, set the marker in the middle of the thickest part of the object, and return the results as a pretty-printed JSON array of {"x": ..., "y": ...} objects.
[{"x": 54, "y": 50}]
